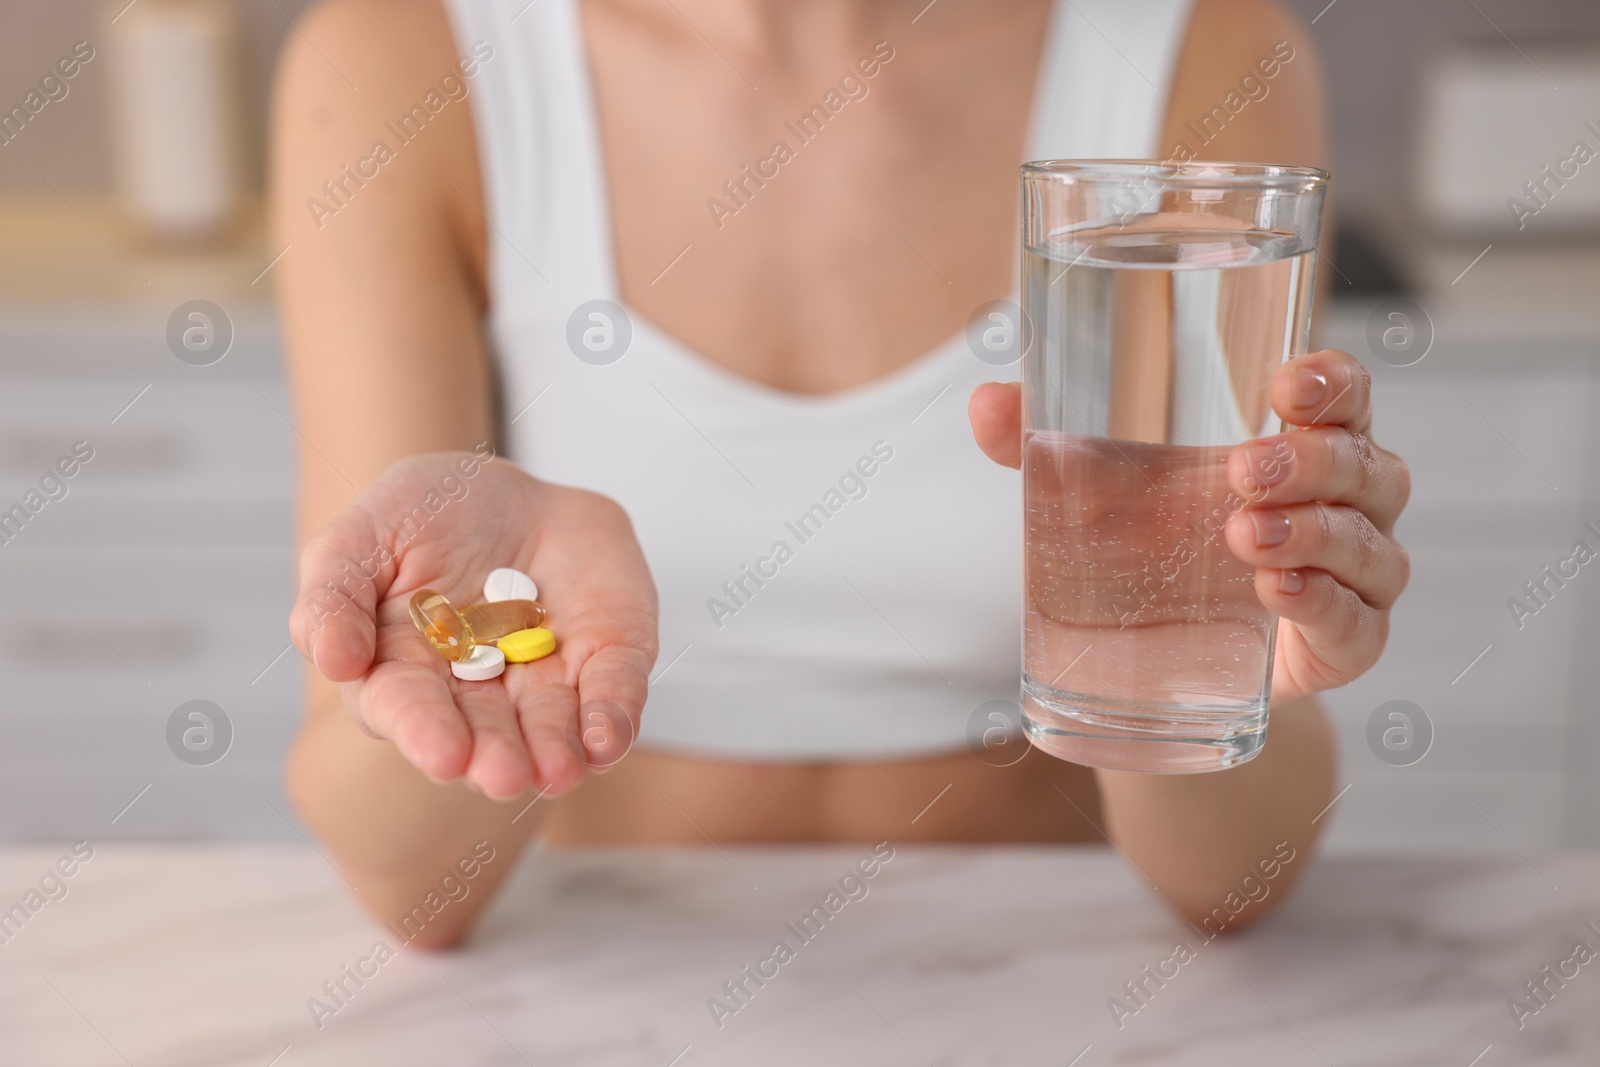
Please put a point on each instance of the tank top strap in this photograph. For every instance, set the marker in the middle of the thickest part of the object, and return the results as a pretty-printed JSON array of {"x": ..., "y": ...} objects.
[
  {"x": 539, "y": 150},
  {"x": 1105, "y": 78}
]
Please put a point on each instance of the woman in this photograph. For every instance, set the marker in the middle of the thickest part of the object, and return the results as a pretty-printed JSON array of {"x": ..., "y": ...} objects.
[{"x": 567, "y": 228}]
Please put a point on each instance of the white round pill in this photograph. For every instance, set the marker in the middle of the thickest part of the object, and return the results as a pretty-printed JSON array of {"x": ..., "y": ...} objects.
[
  {"x": 482, "y": 663},
  {"x": 508, "y": 583}
]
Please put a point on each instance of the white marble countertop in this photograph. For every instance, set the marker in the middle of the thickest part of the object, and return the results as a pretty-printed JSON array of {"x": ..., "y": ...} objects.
[{"x": 955, "y": 956}]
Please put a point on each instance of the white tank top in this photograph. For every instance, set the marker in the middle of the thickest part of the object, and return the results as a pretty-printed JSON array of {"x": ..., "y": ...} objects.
[{"x": 839, "y": 575}]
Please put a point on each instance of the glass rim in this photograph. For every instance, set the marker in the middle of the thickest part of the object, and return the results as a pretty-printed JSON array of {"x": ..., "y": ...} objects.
[{"x": 1188, "y": 174}]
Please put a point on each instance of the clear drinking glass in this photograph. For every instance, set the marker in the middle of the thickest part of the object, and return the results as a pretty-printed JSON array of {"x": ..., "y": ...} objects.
[{"x": 1160, "y": 298}]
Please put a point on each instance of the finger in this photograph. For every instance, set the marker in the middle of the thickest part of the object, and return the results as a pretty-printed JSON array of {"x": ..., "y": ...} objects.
[
  {"x": 612, "y": 687},
  {"x": 995, "y": 410},
  {"x": 548, "y": 715},
  {"x": 1328, "y": 537},
  {"x": 1327, "y": 388},
  {"x": 1324, "y": 463},
  {"x": 343, "y": 574},
  {"x": 412, "y": 706},
  {"x": 501, "y": 766},
  {"x": 1341, "y": 634}
]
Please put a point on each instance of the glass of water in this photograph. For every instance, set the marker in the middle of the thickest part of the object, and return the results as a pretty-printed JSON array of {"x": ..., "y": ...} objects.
[{"x": 1160, "y": 298}]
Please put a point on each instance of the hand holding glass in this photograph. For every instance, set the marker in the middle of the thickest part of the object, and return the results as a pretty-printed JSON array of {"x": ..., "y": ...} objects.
[{"x": 1160, "y": 298}]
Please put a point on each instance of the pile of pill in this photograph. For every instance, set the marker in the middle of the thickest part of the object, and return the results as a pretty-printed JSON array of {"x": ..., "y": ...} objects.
[{"x": 510, "y": 616}]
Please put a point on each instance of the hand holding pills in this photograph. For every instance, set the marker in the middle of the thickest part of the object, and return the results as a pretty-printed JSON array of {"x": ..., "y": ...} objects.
[{"x": 529, "y": 687}]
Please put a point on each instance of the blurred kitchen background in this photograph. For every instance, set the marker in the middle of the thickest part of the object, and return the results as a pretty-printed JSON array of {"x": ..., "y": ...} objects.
[{"x": 163, "y": 576}]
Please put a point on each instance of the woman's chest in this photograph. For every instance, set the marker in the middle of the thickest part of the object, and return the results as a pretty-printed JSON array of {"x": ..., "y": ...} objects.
[{"x": 809, "y": 223}]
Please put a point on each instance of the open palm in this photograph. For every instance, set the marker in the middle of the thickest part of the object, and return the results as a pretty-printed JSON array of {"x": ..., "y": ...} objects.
[{"x": 427, "y": 523}]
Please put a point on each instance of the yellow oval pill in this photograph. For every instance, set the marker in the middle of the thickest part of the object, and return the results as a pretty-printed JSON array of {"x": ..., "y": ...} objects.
[{"x": 525, "y": 646}]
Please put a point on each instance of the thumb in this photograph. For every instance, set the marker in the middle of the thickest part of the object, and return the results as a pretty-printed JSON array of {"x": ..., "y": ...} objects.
[
  {"x": 995, "y": 409},
  {"x": 344, "y": 572}
]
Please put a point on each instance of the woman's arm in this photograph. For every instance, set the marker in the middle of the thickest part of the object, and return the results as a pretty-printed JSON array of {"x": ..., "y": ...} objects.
[
  {"x": 1248, "y": 89},
  {"x": 380, "y": 293}
]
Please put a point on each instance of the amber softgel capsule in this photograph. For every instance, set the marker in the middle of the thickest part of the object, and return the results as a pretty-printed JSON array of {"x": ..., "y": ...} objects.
[
  {"x": 446, "y": 629},
  {"x": 490, "y": 622}
]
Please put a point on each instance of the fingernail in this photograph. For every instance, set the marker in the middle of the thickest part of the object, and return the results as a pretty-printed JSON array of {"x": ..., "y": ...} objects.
[
  {"x": 1307, "y": 387},
  {"x": 1291, "y": 582},
  {"x": 1272, "y": 528}
]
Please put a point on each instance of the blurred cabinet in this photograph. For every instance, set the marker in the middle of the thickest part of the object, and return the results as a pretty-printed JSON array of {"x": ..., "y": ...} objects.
[{"x": 162, "y": 575}]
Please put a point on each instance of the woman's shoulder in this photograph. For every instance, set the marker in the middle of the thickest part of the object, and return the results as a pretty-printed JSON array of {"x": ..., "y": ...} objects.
[
  {"x": 1245, "y": 20},
  {"x": 371, "y": 108},
  {"x": 352, "y": 70},
  {"x": 1248, "y": 86},
  {"x": 386, "y": 42}
]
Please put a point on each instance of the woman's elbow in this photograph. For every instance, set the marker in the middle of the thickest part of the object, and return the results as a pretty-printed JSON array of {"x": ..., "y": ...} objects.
[
  {"x": 1243, "y": 904},
  {"x": 1217, "y": 920}
]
